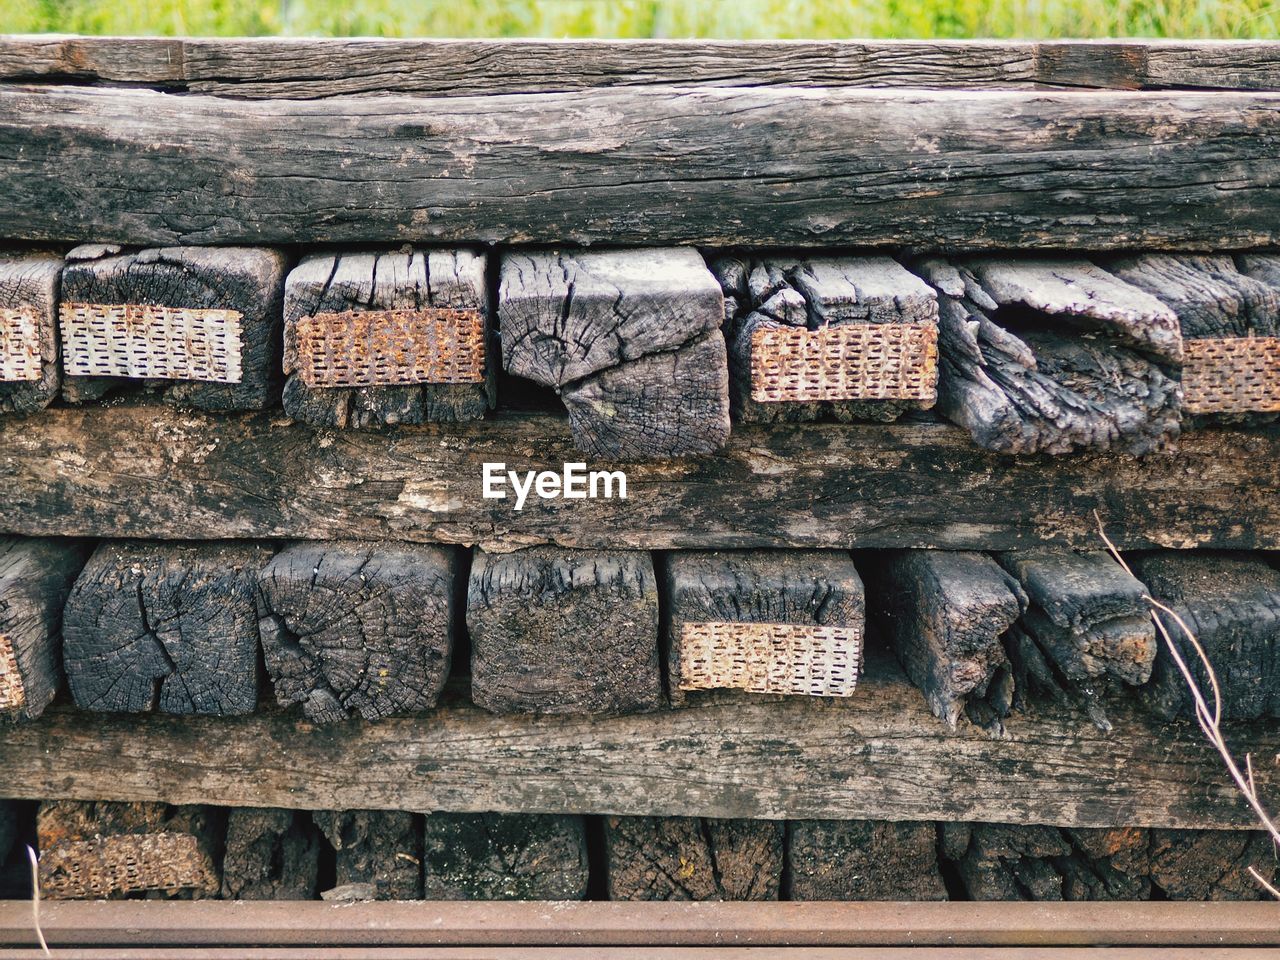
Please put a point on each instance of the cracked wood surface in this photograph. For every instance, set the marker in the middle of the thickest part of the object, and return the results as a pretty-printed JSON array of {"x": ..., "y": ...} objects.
[
  {"x": 117, "y": 471},
  {"x": 806, "y": 166}
]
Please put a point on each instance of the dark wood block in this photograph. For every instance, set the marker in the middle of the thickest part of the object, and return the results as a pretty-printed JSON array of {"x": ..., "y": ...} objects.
[
  {"x": 8, "y": 828},
  {"x": 490, "y": 856},
  {"x": 30, "y": 374},
  {"x": 863, "y": 860},
  {"x": 377, "y": 853},
  {"x": 564, "y": 631},
  {"x": 358, "y": 628},
  {"x": 270, "y": 854},
  {"x": 35, "y": 578},
  {"x": 202, "y": 324},
  {"x": 764, "y": 621},
  {"x": 165, "y": 626},
  {"x": 1212, "y": 864}
]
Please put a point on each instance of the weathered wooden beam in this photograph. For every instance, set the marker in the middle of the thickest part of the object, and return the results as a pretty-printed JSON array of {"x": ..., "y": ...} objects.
[
  {"x": 877, "y": 755},
  {"x": 306, "y": 68},
  {"x": 30, "y": 375},
  {"x": 820, "y": 166},
  {"x": 118, "y": 471}
]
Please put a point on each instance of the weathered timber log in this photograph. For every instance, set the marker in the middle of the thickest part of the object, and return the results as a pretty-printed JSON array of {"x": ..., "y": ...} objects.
[
  {"x": 99, "y": 850},
  {"x": 30, "y": 375},
  {"x": 772, "y": 622},
  {"x": 492, "y": 856},
  {"x": 358, "y": 627},
  {"x": 35, "y": 577},
  {"x": 803, "y": 166},
  {"x": 1054, "y": 355},
  {"x": 378, "y": 854},
  {"x": 169, "y": 627},
  {"x": 200, "y": 323},
  {"x": 876, "y": 755},
  {"x": 564, "y": 632},
  {"x": 1212, "y": 864},
  {"x": 688, "y": 858},
  {"x": 863, "y": 860},
  {"x": 945, "y": 615},
  {"x": 1231, "y": 604},
  {"x": 629, "y": 339},
  {"x": 852, "y": 338},
  {"x": 118, "y": 471},
  {"x": 270, "y": 854},
  {"x": 375, "y": 339}
]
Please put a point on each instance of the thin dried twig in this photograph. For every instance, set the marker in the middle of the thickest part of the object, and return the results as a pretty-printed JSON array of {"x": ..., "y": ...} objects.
[{"x": 35, "y": 901}]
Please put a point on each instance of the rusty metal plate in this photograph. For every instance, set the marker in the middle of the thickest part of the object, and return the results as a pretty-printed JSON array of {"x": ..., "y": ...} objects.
[
  {"x": 1231, "y": 375},
  {"x": 126, "y": 863},
  {"x": 149, "y": 342},
  {"x": 13, "y": 694},
  {"x": 365, "y": 348},
  {"x": 804, "y": 659},
  {"x": 853, "y": 361},
  {"x": 20, "y": 344}
]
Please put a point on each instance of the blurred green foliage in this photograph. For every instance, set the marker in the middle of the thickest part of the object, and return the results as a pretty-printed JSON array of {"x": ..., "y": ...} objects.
[{"x": 784, "y": 19}]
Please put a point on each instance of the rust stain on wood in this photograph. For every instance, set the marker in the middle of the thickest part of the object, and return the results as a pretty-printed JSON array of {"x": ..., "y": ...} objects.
[
  {"x": 1231, "y": 375},
  {"x": 810, "y": 660},
  {"x": 19, "y": 344},
  {"x": 853, "y": 361}
]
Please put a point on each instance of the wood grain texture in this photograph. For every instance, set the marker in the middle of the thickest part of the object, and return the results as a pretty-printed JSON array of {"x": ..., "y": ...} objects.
[
  {"x": 863, "y": 860},
  {"x": 29, "y": 282},
  {"x": 877, "y": 755},
  {"x": 804, "y": 166},
  {"x": 306, "y": 68},
  {"x": 117, "y": 471}
]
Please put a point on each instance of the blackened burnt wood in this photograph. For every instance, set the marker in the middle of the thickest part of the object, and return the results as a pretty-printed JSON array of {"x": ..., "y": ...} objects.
[
  {"x": 564, "y": 632},
  {"x": 688, "y": 858},
  {"x": 877, "y": 755},
  {"x": 35, "y": 577},
  {"x": 99, "y": 850},
  {"x": 1231, "y": 604},
  {"x": 863, "y": 860},
  {"x": 836, "y": 167},
  {"x": 307, "y": 68},
  {"x": 377, "y": 853},
  {"x": 270, "y": 854},
  {"x": 945, "y": 615},
  {"x": 720, "y": 608},
  {"x": 1054, "y": 356},
  {"x": 333, "y": 293},
  {"x": 118, "y": 471},
  {"x": 361, "y": 628},
  {"x": 29, "y": 372},
  {"x": 200, "y": 323},
  {"x": 1212, "y": 864},
  {"x": 493, "y": 856},
  {"x": 169, "y": 627}
]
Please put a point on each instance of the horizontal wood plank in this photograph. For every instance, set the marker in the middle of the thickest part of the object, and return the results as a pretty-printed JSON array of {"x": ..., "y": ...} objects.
[
  {"x": 804, "y": 166},
  {"x": 877, "y": 755},
  {"x": 151, "y": 471}
]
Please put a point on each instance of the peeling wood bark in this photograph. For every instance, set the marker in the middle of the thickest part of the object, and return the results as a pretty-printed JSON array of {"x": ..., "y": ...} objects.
[
  {"x": 491, "y": 856},
  {"x": 863, "y": 860},
  {"x": 29, "y": 287}
]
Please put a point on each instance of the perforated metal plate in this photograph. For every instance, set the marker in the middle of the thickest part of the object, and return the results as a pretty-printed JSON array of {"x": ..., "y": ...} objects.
[
  {"x": 127, "y": 863},
  {"x": 20, "y": 344},
  {"x": 12, "y": 693},
  {"x": 1231, "y": 375},
  {"x": 363, "y": 348},
  {"x": 148, "y": 342},
  {"x": 810, "y": 660},
  {"x": 854, "y": 361}
]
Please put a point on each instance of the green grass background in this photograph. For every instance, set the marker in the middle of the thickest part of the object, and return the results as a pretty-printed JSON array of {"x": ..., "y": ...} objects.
[{"x": 651, "y": 18}]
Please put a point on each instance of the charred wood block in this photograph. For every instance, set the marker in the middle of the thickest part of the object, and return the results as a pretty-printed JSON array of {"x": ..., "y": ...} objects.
[
  {"x": 1231, "y": 603},
  {"x": 778, "y": 622},
  {"x": 358, "y": 628},
  {"x": 270, "y": 854},
  {"x": 1053, "y": 356},
  {"x": 564, "y": 631},
  {"x": 35, "y": 578},
  {"x": 946, "y": 614},
  {"x": 863, "y": 860},
  {"x": 687, "y": 858},
  {"x": 165, "y": 626},
  {"x": 845, "y": 337},
  {"x": 1212, "y": 864},
  {"x": 29, "y": 372},
  {"x": 1107, "y": 864},
  {"x": 110, "y": 851},
  {"x": 629, "y": 338},
  {"x": 374, "y": 339},
  {"x": 492, "y": 856},
  {"x": 200, "y": 323},
  {"x": 377, "y": 851},
  {"x": 1013, "y": 863}
]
